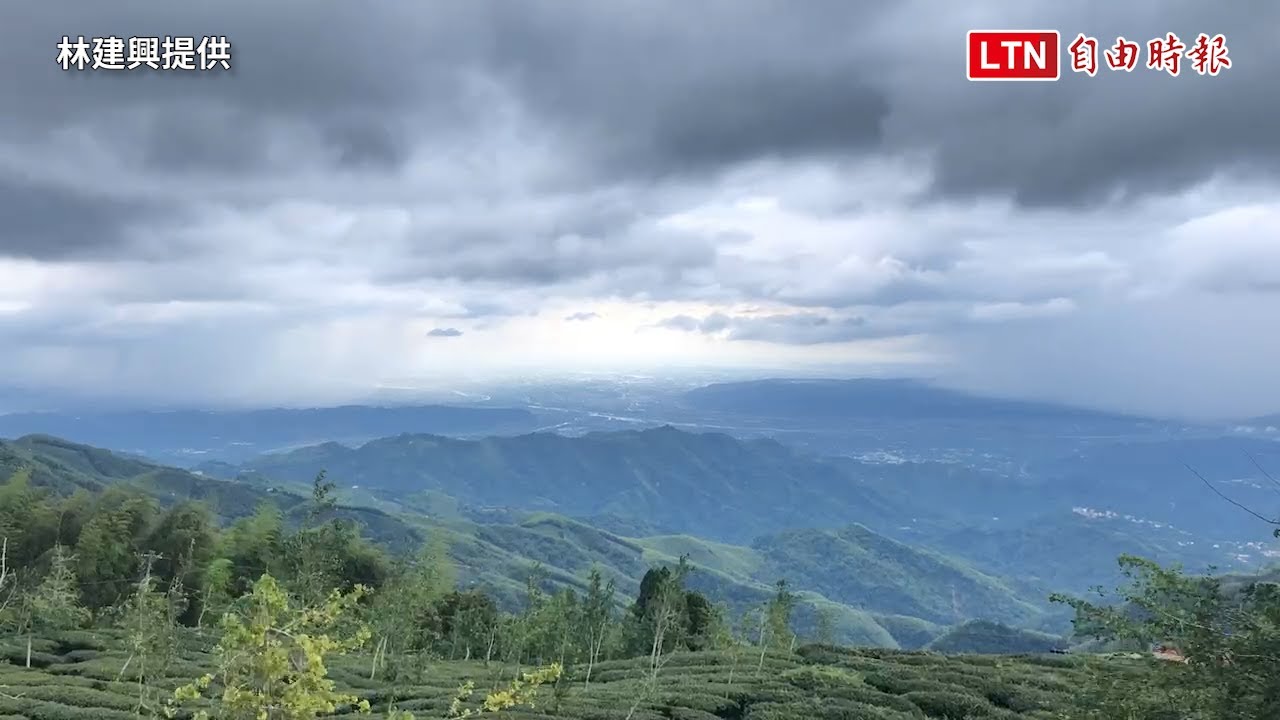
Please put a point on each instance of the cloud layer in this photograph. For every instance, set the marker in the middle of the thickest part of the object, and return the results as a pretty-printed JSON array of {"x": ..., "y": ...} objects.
[{"x": 632, "y": 184}]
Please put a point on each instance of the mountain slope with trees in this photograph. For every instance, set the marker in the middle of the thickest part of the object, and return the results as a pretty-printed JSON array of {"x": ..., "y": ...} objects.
[
  {"x": 898, "y": 600},
  {"x": 709, "y": 484},
  {"x": 670, "y": 482}
]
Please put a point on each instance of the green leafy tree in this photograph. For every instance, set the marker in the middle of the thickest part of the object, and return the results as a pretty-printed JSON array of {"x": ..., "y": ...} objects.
[
  {"x": 701, "y": 618},
  {"x": 184, "y": 541},
  {"x": 665, "y": 613},
  {"x": 467, "y": 620},
  {"x": 272, "y": 658},
  {"x": 328, "y": 552},
  {"x": 54, "y": 604},
  {"x": 407, "y": 617},
  {"x": 254, "y": 546},
  {"x": 824, "y": 632},
  {"x": 778, "y": 618},
  {"x": 323, "y": 501},
  {"x": 597, "y": 617},
  {"x": 1228, "y": 633},
  {"x": 28, "y": 521},
  {"x": 109, "y": 546},
  {"x": 149, "y": 618},
  {"x": 215, "y": 590}
]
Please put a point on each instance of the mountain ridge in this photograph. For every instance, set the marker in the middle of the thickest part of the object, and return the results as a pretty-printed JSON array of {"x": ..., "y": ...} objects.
[{"x": 723, "y": 489}]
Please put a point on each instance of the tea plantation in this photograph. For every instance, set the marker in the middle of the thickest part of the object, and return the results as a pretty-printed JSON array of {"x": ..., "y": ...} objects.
[{"x": 85, "y": 676}]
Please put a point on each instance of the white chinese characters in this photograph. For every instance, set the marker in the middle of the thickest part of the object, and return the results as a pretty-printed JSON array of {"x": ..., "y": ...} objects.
[{"x": 212, "y": 52}]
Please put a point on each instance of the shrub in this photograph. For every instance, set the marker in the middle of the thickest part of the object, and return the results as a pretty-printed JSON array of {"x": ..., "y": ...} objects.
[{"x": 951, "y": 705}]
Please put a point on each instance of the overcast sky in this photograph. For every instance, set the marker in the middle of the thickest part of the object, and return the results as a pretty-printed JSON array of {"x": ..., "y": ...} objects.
[{"x": 386, "y": 191}]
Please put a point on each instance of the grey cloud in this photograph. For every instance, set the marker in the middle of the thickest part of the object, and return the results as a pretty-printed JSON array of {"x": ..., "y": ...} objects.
[
  {"x": 368, "y": 143},
  {"x": 549, "y": 241},
  {"x": 771, "y": 114},
  {"x": 552, "y": 261},
  {"x": 630, "y": 91},
  {"x": 711, "y": 324},
  {"x": 783, "y": 328},
  {"x": 681, "y": 322},
  {"x": 582, "y": 316},
  {"x": 868, "y": 322},
  {"x": 444, "y": 332},
  {"x": 472, "y": 310},
  {"x": 42, "y": 221},
  {"x": 574, "y": 72},
  {"x": 1089, "y": 141},
  {"x": 202, "y": 135}
]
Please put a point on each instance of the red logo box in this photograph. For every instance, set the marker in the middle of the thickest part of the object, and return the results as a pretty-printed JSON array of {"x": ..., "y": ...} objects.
[{"x": 1013, "y": 55}]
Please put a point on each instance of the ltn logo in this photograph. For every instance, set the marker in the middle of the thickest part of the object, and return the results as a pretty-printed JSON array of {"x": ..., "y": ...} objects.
[{"x": 1013, "y": 55}]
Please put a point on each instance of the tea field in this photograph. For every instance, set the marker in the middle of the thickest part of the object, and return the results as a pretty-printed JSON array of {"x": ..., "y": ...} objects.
[{"x": 88, "y": 676}]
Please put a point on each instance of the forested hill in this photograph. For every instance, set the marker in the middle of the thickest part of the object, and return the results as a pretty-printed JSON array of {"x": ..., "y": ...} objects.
[
  {"x": 874, "y": 591},
  {"x": 1129, "y": 497},
  {"x": 711, "y": 485}
]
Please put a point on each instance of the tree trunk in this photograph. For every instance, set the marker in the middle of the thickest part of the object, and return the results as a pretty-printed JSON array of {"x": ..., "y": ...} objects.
[
  {"x": 488, "y": 653},
  {"x": 28, "y": 650},
  {"x": 760, "y": 667},
  {"x": 591, "y": 657},
  {"x": 378, "y": 653},
  {"x": 732, "y": 668}
]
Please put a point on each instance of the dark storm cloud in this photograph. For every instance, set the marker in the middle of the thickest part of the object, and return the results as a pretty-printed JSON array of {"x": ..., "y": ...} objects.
[
  {"x": 643, "y": 94},
  {"x": 444, "y": 332},
  {"x": 204, "y": 136},
  {"x": 639, "y": 90},
  {"x": 367, "y": 143},
  {"x": 790, "y": 114},
  {"x": 1083, "y": 141},
  {"x": 44, "y": 221},
  {"x": 631, "y": 92}
]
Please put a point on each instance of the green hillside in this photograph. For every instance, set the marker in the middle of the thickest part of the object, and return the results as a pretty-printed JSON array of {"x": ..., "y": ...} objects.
[
  {"x": 710, "y": 485},
  {"x": 665, "y": 481},
  {"x": 875, "y": 591},
  {"x": 856, "y": 565},
  {"x": 1070, "y": 552},
  {"x": 985, "y": 637}
]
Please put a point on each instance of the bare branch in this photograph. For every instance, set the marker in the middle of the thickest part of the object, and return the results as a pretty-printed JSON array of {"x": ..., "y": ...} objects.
[
  {"x": 4, "y": 562},
  {"x": 1223, "y": 495},
  {"x": 1265, "y": 474}
]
